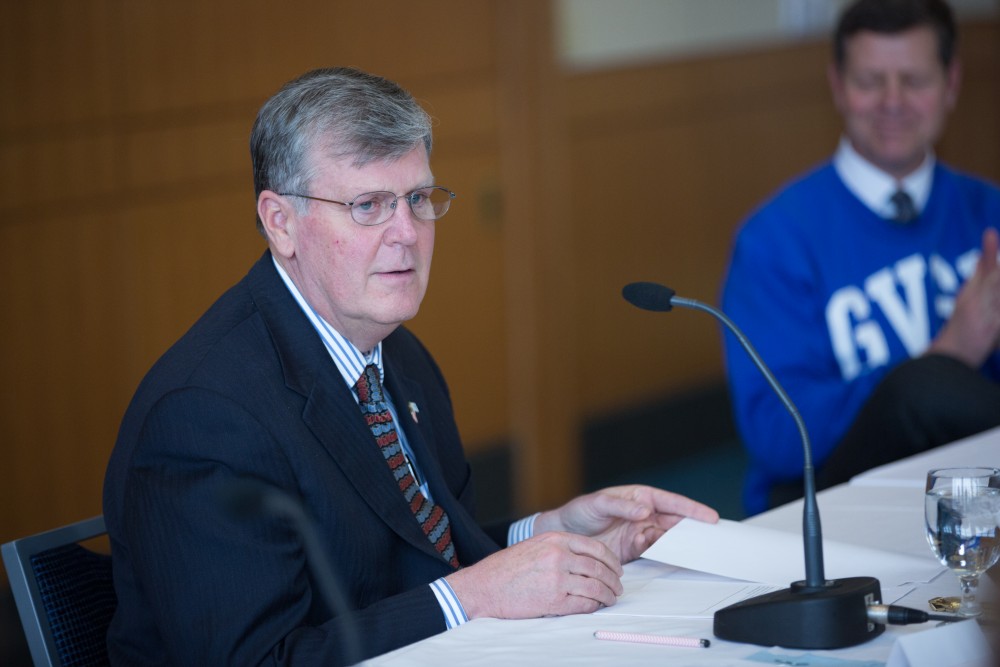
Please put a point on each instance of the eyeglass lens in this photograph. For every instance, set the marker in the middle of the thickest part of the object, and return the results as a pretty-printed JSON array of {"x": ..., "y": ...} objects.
[{"x": 373, "y": 208}]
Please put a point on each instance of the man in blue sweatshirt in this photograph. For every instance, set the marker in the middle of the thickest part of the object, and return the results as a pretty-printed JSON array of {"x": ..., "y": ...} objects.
[{"x": 870, "y": 285}]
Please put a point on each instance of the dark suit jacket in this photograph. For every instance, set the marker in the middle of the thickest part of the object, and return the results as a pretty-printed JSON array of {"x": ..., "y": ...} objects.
[{"x": 250, "y": 390}]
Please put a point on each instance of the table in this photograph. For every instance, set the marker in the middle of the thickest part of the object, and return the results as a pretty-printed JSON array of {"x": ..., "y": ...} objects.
[{"x": 886, "y": 502}]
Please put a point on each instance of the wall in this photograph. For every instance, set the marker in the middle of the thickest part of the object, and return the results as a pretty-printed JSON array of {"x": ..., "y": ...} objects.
[
  {"x": 126, "y": 207},
  {"x": 126, "y": 202},
  {"x": 596, "y": 34}
]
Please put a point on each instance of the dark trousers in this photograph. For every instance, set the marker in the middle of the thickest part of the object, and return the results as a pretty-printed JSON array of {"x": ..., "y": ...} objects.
[{"x": 922, "y": 403}]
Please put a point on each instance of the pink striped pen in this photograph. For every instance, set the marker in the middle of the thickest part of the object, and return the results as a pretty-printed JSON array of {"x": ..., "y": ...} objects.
[{"x": 662, "y": 640}]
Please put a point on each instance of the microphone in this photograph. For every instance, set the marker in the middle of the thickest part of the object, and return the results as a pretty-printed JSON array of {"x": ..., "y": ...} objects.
[
  {"x": 814, "y": 613},
  {"x": 248, "y": 498}
]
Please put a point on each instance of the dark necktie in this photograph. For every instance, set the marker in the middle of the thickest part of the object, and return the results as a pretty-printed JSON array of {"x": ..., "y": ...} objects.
[
  {"x": 431, "y": 517},
  {"x": 905, "y": 210}
]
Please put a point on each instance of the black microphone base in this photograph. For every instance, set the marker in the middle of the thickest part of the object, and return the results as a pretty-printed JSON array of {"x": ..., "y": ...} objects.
[{"x": 832, "y": 616}]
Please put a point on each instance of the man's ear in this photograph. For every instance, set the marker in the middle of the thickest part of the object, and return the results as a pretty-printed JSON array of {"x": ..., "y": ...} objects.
[{"x": 278, "y": 216}]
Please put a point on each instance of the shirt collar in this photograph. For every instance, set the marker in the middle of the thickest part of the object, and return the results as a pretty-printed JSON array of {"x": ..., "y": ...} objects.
[
  {"x": 875, "y": 187},
  {"x": 349, "y": 359}
]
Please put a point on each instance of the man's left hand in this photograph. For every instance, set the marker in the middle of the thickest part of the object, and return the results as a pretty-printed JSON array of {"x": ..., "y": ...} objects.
[
  {"x": 628, "y": 519},
  {"x": 972, "y": 333}
]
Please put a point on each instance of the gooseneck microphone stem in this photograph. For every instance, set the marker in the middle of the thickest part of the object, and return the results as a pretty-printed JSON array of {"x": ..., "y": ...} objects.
[
  {"x": 282, "y": 505},
  {"x": 812, "y": 533},
  {"x": 249, "y": 498},
  {"x": 814, "y": 612}
]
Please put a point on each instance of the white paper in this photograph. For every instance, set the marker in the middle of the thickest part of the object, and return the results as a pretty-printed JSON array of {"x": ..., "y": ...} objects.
[
  {"x": 685, "y": 599},
  {"x": 847, "y": 516},
  {"x": 751, "y": 553},
  {"x": 950, "y": 645}
]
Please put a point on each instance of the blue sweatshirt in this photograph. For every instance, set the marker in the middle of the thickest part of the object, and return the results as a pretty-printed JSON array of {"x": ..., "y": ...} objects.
[{"x": 833, "y": 296}]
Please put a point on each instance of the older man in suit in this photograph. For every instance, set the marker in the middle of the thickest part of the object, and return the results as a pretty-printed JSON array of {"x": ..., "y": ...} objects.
[{"x": 301, "y": 377}]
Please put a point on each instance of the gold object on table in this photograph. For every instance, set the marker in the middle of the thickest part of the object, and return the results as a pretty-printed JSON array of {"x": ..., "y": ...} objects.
[
  {"x": 990, "y": 615},
  {"x": 945, "y": 604}
]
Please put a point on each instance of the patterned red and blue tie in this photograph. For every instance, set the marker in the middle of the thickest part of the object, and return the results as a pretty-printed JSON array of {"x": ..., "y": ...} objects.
[{"x": 431, "y": 517}]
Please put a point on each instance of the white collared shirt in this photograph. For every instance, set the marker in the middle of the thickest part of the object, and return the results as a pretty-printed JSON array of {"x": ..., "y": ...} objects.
[{"x": 874, "y": 187}]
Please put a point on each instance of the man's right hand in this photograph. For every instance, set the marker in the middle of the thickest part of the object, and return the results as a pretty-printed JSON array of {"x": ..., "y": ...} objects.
[{"x": 552, "y": 574}]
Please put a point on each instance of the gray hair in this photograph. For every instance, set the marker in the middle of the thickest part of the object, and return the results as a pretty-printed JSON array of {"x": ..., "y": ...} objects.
[{"x": 346, "y": 112}]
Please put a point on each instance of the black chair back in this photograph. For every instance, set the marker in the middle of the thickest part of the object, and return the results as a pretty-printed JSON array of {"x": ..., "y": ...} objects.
[{"x": 64, "y": 594}]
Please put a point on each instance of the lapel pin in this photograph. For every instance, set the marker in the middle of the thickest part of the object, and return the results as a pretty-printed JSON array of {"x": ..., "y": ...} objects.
[{"x": 414, "y": 411}]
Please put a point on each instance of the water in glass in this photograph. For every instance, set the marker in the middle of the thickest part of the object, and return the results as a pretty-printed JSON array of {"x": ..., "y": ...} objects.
[{"x": 962, "y": 510}]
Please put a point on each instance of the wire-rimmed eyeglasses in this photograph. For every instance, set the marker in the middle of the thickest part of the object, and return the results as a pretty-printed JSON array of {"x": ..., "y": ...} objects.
[{"x": 374, "y": 208}]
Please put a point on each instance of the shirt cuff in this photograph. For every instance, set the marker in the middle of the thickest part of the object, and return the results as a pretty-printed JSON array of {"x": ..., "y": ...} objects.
[
  {"x": 454, "y": 614},
  {"x": 521, "y": 530}
]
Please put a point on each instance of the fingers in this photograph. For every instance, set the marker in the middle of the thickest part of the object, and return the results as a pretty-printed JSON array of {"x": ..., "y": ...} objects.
[
  {"x": 648, "y": 536},
  {"x": 675, "y": 504},
  {"x": 595, "y": 561},
  {"x": 550, "y": 574},
  {"x": 592, "y": 513},
  {"x": 988, "y": 258},
  {"x": 972, "y": 332},
  {"x": 594, "y": 551},
  {"x": 576, "y": 604},
  {"x": 609, "y": 504},
  {"x": 639, "y": 502},
  {"x": 667, "y": 521},
  {"x": 596, "y": 513},
  {"x": 593, "y": 580},
  {"x": 593, "y": 571}
]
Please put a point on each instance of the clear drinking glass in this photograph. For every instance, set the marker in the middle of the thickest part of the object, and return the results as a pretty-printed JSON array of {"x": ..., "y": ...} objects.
[{"x": 962, "y": 510}]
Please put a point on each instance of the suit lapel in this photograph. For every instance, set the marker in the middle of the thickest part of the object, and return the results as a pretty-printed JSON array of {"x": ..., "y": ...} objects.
[
  {"x": 333, "y": 416},
  {"x": 331, "y": 412}
]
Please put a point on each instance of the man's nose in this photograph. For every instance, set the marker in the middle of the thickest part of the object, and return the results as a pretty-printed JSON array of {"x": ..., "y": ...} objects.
[
  {"x": 402, "y": 226},
  {"x": 892, "y": 95}
]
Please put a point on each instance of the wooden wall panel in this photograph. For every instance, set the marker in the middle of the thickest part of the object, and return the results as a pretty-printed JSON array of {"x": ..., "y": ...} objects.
[
  {"x": 195, "y": 54},
  {"x": 189, "y": 154},
  {"x": 126, "y": 201},
  {"x": 182, "y": 255},
  {"x": 55, "y": 63},
  {"x": 660, "y": 202},
  {"x": 41, "y": 173},
  {"x": 462, "y": 319},
  {"x": 972, "y": 138},
  {"x": 60, "y": 342},
  {"x": 539, "y": 262}
]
